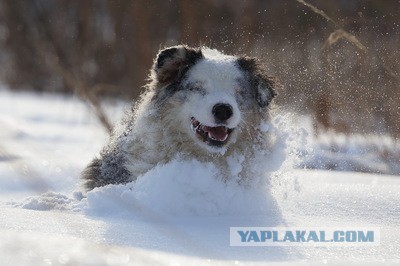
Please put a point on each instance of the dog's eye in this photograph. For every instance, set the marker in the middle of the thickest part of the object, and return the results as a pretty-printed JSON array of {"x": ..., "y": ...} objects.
[
  {"x": 194, "y": 88},
  {"x": 197, "y": 89}
]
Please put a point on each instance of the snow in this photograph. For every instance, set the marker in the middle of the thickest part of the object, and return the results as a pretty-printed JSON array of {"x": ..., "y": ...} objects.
[
  {"x": 179, "y": 213},
  {"x": 183, "y": 188},
  {"x": 371, "y": 153},
  {"x": 361, "y": 153}
]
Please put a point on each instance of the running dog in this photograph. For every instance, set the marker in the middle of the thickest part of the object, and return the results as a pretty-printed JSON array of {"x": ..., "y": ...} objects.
[{"x": 199, "y": 104}]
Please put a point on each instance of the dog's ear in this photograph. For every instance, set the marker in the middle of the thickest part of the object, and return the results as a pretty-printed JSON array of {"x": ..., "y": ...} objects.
[
  {"x": 172, "y": 62},
  {"x": 263, "y": 85}
]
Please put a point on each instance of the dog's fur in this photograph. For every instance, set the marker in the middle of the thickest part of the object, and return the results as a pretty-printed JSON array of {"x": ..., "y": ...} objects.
[{"x": 185, "y": 84}]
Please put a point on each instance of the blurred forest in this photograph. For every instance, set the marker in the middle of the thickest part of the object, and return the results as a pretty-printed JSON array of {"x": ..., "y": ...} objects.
[{"x": 343, "y": 69}]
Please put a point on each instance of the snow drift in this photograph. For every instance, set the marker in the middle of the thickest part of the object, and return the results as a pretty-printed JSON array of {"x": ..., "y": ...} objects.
[{"x": 178, "y": 212}]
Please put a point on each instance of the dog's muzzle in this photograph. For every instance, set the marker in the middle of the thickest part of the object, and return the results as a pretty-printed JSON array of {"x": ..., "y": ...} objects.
[{"x": 213, "y": 136}]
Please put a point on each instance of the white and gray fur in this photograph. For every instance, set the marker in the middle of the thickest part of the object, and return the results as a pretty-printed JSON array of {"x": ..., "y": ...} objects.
[{"x": 184, "y": 83}]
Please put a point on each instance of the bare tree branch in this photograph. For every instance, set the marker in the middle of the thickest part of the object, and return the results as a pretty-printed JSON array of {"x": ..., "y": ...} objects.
[
  {"x": 51, "y": 55},
  {"x": 340, "y": 33},
  {"x": 319, "y": 12}
]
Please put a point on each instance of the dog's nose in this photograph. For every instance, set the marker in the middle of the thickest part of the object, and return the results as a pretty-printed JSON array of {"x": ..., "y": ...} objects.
[{"x": 222, "y": 111}]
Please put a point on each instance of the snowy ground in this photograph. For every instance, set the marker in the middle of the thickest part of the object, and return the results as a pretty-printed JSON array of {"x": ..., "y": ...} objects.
[{"x": 177, "y": 213}]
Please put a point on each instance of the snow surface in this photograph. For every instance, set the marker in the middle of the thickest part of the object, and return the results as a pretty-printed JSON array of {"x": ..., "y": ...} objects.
[{"x": 178, "y": 213}]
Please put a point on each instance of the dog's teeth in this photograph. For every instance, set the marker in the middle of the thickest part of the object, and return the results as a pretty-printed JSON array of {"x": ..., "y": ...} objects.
[{"x": 211, "y": 137}]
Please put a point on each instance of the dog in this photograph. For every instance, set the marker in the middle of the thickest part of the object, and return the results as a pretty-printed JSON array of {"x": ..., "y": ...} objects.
[{"x": 199, "y": 104}]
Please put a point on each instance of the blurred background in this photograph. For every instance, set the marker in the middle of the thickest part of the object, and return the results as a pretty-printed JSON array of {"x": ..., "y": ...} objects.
[
  {"x": 69, "y": 69},
  {"x": 108, "y": 47},
  {"x": 338, "y": 60}
]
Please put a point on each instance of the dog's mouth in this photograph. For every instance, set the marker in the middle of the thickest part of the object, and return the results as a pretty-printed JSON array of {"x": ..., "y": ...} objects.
[{"x": 213, "y": 136}]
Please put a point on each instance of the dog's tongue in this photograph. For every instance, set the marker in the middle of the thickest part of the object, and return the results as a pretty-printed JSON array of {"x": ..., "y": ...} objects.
[{"x": 218, "y": 133}]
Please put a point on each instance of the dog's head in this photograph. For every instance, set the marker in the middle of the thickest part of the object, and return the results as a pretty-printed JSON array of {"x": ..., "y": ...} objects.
[{"x": 212, "y": 95}]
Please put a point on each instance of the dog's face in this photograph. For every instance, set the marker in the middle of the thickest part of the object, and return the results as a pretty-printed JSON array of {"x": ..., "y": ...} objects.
[{"x": 211, "y": 94}]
